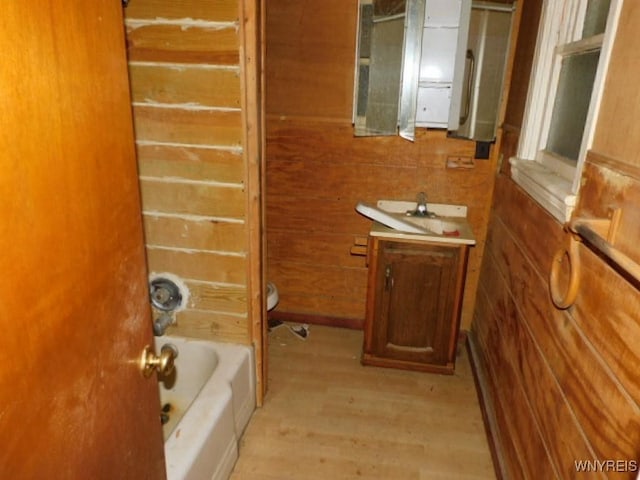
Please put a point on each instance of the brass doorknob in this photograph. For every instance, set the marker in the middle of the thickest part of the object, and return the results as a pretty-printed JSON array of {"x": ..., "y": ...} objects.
[{"x": 163, "y": 364}]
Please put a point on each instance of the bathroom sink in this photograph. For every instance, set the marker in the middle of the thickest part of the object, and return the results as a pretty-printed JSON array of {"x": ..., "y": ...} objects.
[
  {"x": 447, "y": 223},
  {"x": 435, "y": 225}
]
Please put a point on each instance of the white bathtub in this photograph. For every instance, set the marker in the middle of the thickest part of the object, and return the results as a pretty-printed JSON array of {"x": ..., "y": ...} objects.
[{"x": 212, "y": 398}]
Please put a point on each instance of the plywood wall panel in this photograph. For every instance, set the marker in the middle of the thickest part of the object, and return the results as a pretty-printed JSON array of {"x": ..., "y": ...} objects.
[
  {"x": 198, "y": 265},
  {"x": 526, "y": 448},
  {"x": 305, "y": 216},
  {"x": 556, "y": 422},
  {"x": 577, "y": 366},
  {"x": 188, "y": 126},
  {"x": 333, "y": 142},
  {"x": 192, "y": 86},
  {"x": 311, "y": 55},
  {"x": 482, "y": 342},
  {"x": 191, "y": 163},
  {"x": 193, "y": 232},
  {"x": 317, "y": 172},
  {"x": 616, "y": 338},
  {"x": 212, "y": 325},
  {"x": 317, "y": 288},
  {"x": 330, "y": 248},
  {"x": 215, "y": 11},
  {"x": 316, "y": 279},
  {"x": 187, "y": 43},
  {"x": 618, "y": 129},
  {"x": 344, "y": 309},
  {"x": 191, "y": 198},
  {"x": 607, "y": 185},
  {"x": 217, "y": 297}
]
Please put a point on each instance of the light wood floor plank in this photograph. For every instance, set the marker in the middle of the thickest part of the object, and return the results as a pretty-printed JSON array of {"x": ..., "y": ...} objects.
[{"x": 328, "y": 417}]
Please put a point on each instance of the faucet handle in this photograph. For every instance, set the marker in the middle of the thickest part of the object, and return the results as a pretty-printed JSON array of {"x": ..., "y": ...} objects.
[{"x": 421, "y": 204}]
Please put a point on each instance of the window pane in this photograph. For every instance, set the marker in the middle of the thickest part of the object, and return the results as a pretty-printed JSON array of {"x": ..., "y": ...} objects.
[
  {"x": 572, "y": 103},
  {"x": 595, "y": 19}
]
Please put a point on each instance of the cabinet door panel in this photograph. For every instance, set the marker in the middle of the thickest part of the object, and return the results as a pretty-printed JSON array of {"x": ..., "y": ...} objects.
[{"x": 415, "y": 292}]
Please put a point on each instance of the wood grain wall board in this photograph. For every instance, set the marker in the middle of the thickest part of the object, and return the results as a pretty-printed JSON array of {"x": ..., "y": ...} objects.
[
  {"x": 314, "y": 215},
  {"x": 218, "y": 11},
  {"x": 316, "y": 247},
  {"x": 555, "y": 419},
  {"x": 198, "y": 265},
  {"x": 193, "y": 127},
  {"x": 316, "y": 139},
  {"x": 186, "y": 43},
  {"x": 570, "y": 355},
  {"x": 525, "y": 450},
  {"x": 331, "y": 290},
  {"x": 344, "y": 312},
  {"x": 217, "y": 298},
  {"x": 607, "y": 310},
  {"x": 526, "y": 221},
  {"x": 184, "y": 84},
  {"x": 506, "y": 459},
  {"x": 617, "y": 128},
  {"x": 192, "y": 198},
  {"x": 350, "y": 181},
  {"x": 196, "y": 233},
  {"x": 211, "y": 326},
  {"x": 604, "y": 189},
  {"x": 190, "y": 163},
  {"x": 305, "y": 278},
  {"x": 311, "y": 57}
]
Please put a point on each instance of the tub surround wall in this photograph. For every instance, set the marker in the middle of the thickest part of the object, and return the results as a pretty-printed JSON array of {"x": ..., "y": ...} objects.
[
  {"x": 186, "y": 70},
  {"x": 317, "y": 171},
  {"x": 562, "y": 386}
]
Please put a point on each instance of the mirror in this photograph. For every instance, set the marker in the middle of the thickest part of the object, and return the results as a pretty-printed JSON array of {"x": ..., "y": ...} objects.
[
  {"x": 388, "y": 60},
  {"x": 484, "y": 72},
  {"x": 397, "y": 87}
]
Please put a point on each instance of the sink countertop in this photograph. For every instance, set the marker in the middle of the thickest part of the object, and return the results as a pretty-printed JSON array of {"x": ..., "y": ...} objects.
[
  {"x": 447, "y": 213},
  {"x": 465, "y": 238}
]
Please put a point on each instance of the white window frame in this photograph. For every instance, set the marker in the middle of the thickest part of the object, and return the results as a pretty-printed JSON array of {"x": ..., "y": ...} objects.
[{"x": 550, "y": 179}]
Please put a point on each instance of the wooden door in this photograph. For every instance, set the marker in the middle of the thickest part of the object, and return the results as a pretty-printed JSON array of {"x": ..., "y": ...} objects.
[{"x": 74, "y": 312}]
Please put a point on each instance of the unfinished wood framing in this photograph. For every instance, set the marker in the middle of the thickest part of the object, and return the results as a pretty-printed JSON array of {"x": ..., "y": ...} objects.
[{"x": 194, "y": 70}]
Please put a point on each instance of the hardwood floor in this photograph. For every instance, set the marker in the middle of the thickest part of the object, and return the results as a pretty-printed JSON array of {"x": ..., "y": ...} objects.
[{"x": 326, "y": 416}]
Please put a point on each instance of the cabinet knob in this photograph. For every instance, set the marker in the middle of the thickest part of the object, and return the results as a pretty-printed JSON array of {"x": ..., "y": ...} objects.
[{"x": 388, "y": 279}]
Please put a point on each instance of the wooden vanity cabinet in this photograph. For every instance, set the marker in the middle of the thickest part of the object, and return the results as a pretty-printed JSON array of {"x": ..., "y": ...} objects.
[{"x": 414, "y": 298}]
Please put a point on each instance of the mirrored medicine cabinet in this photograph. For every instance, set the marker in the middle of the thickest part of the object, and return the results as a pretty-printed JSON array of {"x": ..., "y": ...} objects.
[{"x": 430, "y": 63}]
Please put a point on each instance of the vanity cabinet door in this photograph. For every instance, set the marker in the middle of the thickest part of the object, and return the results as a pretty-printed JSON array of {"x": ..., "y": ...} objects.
[{"x": 414, "y": 305}]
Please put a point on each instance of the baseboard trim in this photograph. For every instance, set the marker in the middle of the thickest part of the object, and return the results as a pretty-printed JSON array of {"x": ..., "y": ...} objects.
[
  {"x": 478, "y": 368},
  {"x": 351, "y": 323}
]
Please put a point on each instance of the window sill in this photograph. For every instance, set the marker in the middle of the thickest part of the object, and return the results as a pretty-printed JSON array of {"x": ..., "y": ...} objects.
[{"x": 552, "y": 191}]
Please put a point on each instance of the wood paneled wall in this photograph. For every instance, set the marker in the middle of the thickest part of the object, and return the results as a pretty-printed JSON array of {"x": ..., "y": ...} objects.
[
  {"x": 186, "y": 73},
  {"x": 317, "y": 170},
  {"x": 563, "y": 385}
]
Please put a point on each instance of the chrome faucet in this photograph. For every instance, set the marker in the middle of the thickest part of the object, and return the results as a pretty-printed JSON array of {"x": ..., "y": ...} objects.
[
  {"x": 421, "y": 207},
  {"x": 161, "y": 324}
]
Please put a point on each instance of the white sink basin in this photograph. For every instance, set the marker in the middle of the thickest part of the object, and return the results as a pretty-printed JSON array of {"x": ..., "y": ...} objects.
[
  {"x": 449, "y": 225},
  {"x": 435, "y": 225}
]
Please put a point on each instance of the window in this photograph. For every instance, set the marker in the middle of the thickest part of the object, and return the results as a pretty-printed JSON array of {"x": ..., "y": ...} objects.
[{"x": 571, "y": 58}]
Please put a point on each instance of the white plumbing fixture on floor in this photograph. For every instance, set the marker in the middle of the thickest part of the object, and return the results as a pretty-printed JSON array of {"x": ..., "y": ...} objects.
[{"x": 272, "y": 296}]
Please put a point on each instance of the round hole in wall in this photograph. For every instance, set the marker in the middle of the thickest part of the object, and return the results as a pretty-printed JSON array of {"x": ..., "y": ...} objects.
[{"x": 164, "y": 294}]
